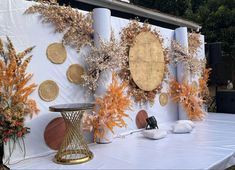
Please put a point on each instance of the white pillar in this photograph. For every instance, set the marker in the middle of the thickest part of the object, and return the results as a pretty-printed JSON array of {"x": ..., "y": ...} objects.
[
  {"x": 102, "y": 32},
  {"x": 101, "y": 25},
  {"x": 181, "y": 36}
]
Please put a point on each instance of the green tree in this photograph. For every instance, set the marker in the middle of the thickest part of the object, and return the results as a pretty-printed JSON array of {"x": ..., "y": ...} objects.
[{"x": 217, "y": 17}]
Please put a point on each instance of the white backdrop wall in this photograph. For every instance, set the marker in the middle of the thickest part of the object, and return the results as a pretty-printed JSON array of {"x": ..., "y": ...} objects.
[{"x": 27, "y": 30}]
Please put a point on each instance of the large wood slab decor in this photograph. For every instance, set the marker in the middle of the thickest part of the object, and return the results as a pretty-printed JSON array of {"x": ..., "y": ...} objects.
[
  {"x": 54, "y": 133},
  {"x": 146, "y": 61},
  {"x": 140, "y": 119},
  {"x": 48, "y": 90},
  {"x": 56, "y": 53},
  {"x": 74, "y": 73}
]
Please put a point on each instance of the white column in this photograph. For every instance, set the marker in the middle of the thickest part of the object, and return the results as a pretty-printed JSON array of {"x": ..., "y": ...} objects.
[
  {"x": 181, "y": 36},
  {"x": 101, "y": 25},
  {"x": 102, "y": 32}
]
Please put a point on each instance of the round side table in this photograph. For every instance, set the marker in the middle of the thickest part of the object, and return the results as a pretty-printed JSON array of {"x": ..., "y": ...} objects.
[{"x": 73, "y": 149}]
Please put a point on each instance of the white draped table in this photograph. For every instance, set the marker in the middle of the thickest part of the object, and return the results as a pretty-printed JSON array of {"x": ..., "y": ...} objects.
[{"x": 211, "y": 145}]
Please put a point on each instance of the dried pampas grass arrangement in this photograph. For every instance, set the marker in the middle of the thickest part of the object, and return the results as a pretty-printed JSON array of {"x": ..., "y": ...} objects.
[
  {"x": 188, "y": 96},
  {"x": 181, "y": 55},
  {"x": 47, "y": 1},
  {"x": 15, "y": 88},
  {"x": 109, "y": 56},
  {"x": 76, "y": 27},
  {"x": 194, "y": 42},
  {"x": 111, "y": 110}
]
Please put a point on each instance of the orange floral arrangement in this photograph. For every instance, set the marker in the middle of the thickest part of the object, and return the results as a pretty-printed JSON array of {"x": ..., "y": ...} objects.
[
  {"x": 110, "y": 110},
  {"x": 14, "y": 92},
  {"x": 189, "y": 98}
]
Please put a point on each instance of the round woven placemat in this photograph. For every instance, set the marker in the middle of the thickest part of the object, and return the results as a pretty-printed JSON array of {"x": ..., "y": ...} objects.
[
  {"x": 56, "y": 53},
  {"x": 163, "y": 99},
  {"x": 147, "y": 61},
  {"x": 48, "y": 90},
  {"x": 74, "y": 73}
]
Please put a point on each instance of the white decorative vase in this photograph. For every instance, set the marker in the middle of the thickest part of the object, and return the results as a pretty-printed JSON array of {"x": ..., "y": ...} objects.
[{"x": 107, "y": 138}]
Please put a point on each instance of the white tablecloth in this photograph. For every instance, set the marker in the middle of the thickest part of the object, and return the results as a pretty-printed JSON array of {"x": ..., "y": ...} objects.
[{"x": 211, "y": 145}]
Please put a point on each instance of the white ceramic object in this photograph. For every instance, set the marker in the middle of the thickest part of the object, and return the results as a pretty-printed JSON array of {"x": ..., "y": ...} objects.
[
  {"x": 155, "y": 133},
  {"x": 191, "y": 123},
  {"x": 182, "y": 128},
  {"x": 108, "y": 138}
]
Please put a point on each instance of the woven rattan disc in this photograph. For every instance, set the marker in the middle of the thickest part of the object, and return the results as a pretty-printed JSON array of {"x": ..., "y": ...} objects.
[
  {"x": 56, "y": 53},
  {"x": 74, "y": 73},
  {"x": 146, "y": 61},
  {"x": 163, "y": 99},
  {"x": 48, "y": 90}
]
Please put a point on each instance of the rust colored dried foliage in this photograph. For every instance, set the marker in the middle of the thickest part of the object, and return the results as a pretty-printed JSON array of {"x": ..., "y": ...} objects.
[
  {"x": 110, "y": 110},
  {"x": 189, "y": 98},
  {"x": 14, "y": 91}
]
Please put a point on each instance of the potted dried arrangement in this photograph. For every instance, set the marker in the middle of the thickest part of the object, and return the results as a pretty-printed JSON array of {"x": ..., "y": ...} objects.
[
  {"x": 110, "y": 111},
  {"x": 14, "y": 92}
]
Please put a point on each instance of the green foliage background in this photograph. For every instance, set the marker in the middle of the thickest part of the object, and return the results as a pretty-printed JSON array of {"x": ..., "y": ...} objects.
[{"x": 217, "y": 17}]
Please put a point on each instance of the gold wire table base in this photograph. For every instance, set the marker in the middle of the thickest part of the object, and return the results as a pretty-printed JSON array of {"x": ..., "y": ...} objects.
[
  {"x": 73, "y": 149},
  {"x": 59, "y": 158}
]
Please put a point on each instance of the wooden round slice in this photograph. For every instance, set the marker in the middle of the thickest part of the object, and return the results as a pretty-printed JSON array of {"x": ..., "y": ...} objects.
[
  {"x": 54, "y": 133},
  {"x": 74, "y": 73},
  {"x": 140, "y": 119},
  {"x": 56, "y": 53},
  {"x": 163, "y": 99},
  {"x": 48, "y": 90},
  {"x": 147, "y": 61}
]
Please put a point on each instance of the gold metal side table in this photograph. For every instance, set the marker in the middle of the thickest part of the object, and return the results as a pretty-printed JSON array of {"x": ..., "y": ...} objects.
[{"x": 73, "y": 149}]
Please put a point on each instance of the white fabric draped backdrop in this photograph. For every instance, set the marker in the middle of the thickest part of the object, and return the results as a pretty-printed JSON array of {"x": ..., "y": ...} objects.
[{"x": 26, "y": 30}]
